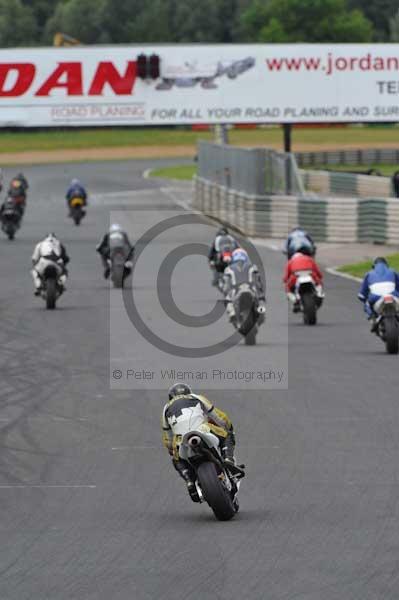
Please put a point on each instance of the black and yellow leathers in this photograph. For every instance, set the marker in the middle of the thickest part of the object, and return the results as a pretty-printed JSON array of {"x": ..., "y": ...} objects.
[{"x": 218, "y": 421}]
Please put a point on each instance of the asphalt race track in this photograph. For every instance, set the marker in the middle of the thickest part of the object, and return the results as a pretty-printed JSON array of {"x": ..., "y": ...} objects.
[{"x": 90, "y": 507}]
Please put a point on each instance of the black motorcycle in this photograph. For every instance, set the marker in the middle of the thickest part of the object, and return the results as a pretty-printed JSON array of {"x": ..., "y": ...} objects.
[
  {"x": 10, "y": 222},
  {"x": 387, "y": 323},
  {"x": 120, "y": 266},
  {"x": 51, "y": 286},
  {"x": 217, "y": 483},
  {"x": 249, "y": 314}
]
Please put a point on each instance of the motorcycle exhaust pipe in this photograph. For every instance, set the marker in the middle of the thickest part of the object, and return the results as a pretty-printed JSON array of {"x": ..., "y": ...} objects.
[{"x": 194, "y": 441}]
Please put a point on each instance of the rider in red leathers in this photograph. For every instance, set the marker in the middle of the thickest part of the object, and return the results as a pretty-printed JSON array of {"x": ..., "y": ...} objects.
[{"x": 300, "y": 262}]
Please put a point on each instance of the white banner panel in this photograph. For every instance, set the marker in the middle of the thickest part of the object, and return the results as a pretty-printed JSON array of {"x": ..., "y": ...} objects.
[{"x": 301, "y": 83}]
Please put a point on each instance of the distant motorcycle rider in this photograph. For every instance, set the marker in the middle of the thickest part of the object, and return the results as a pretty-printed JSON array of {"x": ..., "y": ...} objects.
[
  {"x": 76, "y": 190},
  {"x": 17, "y": 191},
  {"x": 380, "y": 281},
  {"x": 49, "y": 249},
  {"x": 223, "y": 242},
  {"x": 104, "y": 247},
  {"x": 299, "y": 241},
  {"x": 181, "y": 397},
  {"x": 242, "y": 271},
  {"x": 299, "y": 262},
  {"x": 19, "y": 181}
]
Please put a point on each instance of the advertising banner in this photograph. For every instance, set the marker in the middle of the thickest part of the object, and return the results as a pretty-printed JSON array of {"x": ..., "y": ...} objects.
[{"x": 255, "y": 83}]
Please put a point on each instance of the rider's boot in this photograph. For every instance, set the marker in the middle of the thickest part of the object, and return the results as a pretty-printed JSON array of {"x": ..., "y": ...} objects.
[{"x": 185, "y": 474}]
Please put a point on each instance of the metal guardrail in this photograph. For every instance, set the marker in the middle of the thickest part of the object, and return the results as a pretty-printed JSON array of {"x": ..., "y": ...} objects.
[
  {"x": 335, "y": 183},
  {"x": 360, "y": 157}
]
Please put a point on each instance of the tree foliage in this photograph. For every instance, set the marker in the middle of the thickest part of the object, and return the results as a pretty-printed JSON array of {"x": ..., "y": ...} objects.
[
  {"x": 17, "y": 24},
  {"x": 318, "y": 21},
  {"x": 394, "y": 28},
  {"x": 82, "y": 19},
  {"x": 34, "y": 22},
  {"x": 379, "y": 12}
]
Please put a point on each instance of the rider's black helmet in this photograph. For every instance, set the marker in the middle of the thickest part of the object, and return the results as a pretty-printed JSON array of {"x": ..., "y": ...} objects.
[
  {"x": 179, "y": 389},
  {"x": 380, "y": 259},
  {"x": 223, "y": 231}
]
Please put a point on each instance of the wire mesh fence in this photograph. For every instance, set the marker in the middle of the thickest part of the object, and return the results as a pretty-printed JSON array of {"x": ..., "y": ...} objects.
[{"x": 255, "y": 171}]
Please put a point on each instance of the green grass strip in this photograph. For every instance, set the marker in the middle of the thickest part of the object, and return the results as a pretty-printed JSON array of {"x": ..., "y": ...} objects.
[
  {"x": 183, "y": 172},
  {"x": 361, "y": 268},
  {"x": 25, "y": 141},
  {"x": 386, "y": 170}
]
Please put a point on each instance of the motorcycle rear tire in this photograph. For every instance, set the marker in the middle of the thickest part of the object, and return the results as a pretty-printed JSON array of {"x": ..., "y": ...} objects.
[
  {"x": 214, "y": 493},
  {"x": 391, "y": 335},
  {"x": 51, "y": 293},
  {"x": 309, "y": 308},
  {"x": 117, "y": 276},
  {"x": 250, "y": 338}
]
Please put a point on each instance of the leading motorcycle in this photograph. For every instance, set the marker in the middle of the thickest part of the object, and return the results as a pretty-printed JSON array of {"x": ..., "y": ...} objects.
[
  {"x": 307, "y": 297},
  {"x": 216, "y": 482},
  {"x": 387, "y": 322}
]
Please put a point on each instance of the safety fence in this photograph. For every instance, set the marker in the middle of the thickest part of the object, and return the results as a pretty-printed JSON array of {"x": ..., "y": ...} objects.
[
  {"x": 256, "y": 171},
  {"x": 346, "y": 184},
  {"x": 359, "y": 157},
  {"x": 327, "y": 219}
]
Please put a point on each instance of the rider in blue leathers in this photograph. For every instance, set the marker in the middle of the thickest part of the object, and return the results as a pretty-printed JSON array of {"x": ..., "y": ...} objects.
[
  {"x": 299, "y": 241},
  {"x": 76, "y": 190},
  {"x": 380, "y": 281}
]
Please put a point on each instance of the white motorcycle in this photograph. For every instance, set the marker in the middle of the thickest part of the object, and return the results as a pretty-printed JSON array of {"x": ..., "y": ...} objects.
[
  {"x": 387, "y": 322},
  {"x": 216, "y": 482},
  {"x": 307, "y": 297},
  {"x": 52, "y": 278}
]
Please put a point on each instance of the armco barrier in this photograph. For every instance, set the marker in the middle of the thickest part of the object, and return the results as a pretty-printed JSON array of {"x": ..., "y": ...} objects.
[
  {"x": 325, "y": 218},
  {"x": 359, "y": 157},
  {"x": 346, "y": 184}
]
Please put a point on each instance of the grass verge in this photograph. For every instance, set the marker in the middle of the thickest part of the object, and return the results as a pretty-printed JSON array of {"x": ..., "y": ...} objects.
[
  {"x": 385, "y": 170},
  {"x": 26, "y": 141},
  {"x": 183, "y": 172},
  {"x": 361, "y": 268}
]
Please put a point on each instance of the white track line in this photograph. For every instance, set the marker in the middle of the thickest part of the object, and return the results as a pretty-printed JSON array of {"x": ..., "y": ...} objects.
[
  {"x": 334, "y": 271},
  {"x": 266, "y": 244}
]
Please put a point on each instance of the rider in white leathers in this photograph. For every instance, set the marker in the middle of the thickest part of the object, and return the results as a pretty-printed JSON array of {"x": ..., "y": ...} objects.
[{"x": 49, "y": 251}]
